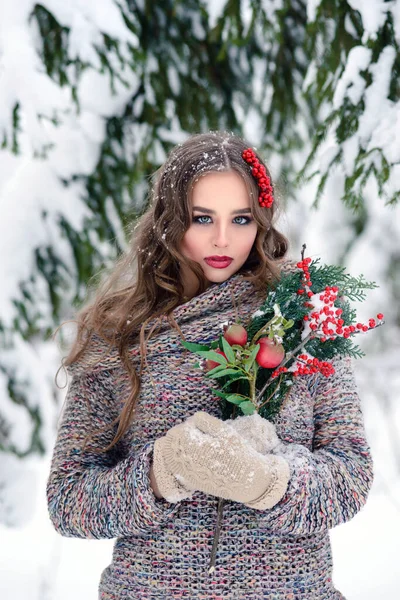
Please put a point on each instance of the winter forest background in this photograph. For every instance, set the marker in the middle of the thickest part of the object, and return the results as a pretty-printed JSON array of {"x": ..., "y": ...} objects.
[{"x": 93, "y": 94}]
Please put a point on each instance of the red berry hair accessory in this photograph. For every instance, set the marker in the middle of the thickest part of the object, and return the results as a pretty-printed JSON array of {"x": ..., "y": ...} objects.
[{"x": 265, "y": 197}]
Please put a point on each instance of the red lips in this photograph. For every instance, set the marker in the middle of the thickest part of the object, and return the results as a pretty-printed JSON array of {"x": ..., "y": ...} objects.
[{"x": 223, "y": 258}]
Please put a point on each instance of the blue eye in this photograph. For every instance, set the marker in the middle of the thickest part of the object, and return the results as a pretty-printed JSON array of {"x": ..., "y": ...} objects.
[{"x": 196, "y": 220}]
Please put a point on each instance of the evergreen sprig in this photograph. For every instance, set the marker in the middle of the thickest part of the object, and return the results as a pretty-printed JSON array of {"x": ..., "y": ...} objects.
[{"x": 282, "y": 316}]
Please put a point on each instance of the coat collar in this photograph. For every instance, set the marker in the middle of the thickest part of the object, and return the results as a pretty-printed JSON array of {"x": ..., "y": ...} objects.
[
  {"x": 221, "y": 295},
  {"x": 216, "y": 298}
]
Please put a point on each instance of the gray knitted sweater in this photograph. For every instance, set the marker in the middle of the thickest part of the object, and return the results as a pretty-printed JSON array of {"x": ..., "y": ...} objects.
[{"x": 162, "y": 549}]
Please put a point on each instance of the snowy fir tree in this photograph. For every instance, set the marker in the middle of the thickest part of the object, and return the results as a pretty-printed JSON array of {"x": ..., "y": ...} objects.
[
  {"x": 103, "y": 93},
  {"x": 94, "y": 95},
  {"x": 353, "y": 77}
]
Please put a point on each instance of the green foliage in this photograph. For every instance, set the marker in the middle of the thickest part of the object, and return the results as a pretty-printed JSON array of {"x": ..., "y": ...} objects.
[
  {"x": 15, "y": 131},
  {"x": 239, "y": 375},
  {"x": 350, "y": 286},
  {"x": 337, "y": 30},
  {"x": 55, "y": 44},
  {"x": 16, "y": 393}
]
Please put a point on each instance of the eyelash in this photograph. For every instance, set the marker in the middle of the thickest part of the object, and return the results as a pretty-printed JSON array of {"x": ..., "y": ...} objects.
[{"x": 195, "y": 220}]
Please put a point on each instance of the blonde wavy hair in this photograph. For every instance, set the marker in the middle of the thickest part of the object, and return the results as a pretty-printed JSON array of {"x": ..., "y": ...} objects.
[{"x": 145, "y": 281}]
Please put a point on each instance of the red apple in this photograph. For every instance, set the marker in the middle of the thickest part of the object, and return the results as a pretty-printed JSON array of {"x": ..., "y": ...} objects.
[
  {"x": 236, "y": 334},
  {"x": 211, "y": 364},
  {"x": 270, "y": 354}
]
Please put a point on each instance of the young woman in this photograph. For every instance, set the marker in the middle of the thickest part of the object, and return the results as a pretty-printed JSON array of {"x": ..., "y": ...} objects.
[{"x": 135, "y": 455}]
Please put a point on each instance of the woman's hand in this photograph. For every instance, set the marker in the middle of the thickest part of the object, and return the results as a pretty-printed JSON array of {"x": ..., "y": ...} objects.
[{"x": 207, "y": 454}]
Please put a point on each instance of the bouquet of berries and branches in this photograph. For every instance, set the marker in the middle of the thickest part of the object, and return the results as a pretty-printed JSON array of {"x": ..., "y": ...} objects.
[{"x": 305, "y": 321}]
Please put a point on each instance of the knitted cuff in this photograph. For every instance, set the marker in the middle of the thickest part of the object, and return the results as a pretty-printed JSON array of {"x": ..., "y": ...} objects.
[
  {"x": 279, "y": 472},
  {"x": 170, "y": 488},
  {"x": 149, "y": 512}
]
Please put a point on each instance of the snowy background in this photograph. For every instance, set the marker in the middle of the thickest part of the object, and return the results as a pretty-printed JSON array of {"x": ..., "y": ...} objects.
[{"x": 88, "y": 109}]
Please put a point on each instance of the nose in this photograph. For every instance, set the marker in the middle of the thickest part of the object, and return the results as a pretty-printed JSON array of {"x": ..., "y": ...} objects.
[{"x": 220, "y": 236}]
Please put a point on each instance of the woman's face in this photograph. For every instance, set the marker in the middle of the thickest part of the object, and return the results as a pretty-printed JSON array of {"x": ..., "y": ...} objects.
[{"x": 221, "y": 225}]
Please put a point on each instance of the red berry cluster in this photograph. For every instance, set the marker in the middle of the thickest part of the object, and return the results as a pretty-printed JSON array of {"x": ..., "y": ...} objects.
[
  {"x": 306, "y": 366},
  {"x": 307, "y": 280},
  {"x": 328, "y": 320},
  {"x": 312, "y": 365},
  {"x": 278, "y": 371},
  {"x": 265, "y": 197}
]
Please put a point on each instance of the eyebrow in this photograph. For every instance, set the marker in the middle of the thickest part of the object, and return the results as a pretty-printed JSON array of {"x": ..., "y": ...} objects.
[{"x": 213, "y": 212}]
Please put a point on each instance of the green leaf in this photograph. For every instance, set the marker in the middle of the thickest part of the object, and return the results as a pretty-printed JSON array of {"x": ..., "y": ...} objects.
[
  {"x": 236, "y": 398},
  {"x": 215, "y": 370},
  {"x": 232, "y": 379},
  {"x": 224, "y": 372},
  {"x": 248, "y": 365},
  {"x": 213, "y": 356},
  {"x": 247, "y": 408},
  {"x": 249, "y": 361},
  {"x": 230, "y": 355},
  {"x": 194, "y": 347},
  {"x": 221, "y": 394}
]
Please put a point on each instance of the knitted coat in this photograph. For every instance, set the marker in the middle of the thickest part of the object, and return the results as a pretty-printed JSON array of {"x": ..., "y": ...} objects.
[{"x": 162, "y": 550}]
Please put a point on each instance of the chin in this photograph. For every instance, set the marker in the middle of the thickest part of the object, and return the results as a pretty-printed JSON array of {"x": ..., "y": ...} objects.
[{"x": 217, "y": 275}]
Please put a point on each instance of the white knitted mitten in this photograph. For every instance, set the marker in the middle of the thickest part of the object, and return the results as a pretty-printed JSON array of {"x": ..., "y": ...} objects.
[{"x": 207, "y": 454}]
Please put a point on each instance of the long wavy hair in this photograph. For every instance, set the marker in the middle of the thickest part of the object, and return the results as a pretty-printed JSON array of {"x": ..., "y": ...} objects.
[{"x": 145, "y": 281}]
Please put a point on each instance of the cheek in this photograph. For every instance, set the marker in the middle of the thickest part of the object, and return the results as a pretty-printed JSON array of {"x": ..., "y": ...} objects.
[
  {"x": 249, "y": 239},
  {"x": 188, "y": 244}
]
